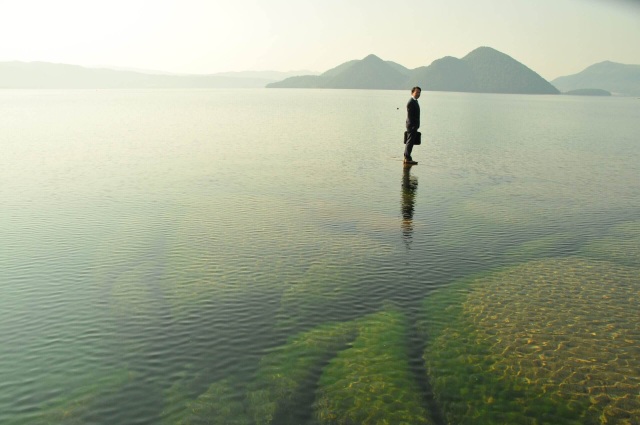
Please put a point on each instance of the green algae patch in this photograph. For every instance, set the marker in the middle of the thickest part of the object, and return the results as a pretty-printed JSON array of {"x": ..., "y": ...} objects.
[
  {"x": 216, "y": 406},
  {"x": 220, "y": 403},
  {"x": 371, "y": 382},
  {"x": 547, "y": 342},
  {"x": 286, "y": 377},
  {"x": 77, "y": 405}
]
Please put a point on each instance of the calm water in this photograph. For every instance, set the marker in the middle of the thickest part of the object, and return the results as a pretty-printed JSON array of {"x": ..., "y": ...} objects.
[{"x": 161, "y": 246}]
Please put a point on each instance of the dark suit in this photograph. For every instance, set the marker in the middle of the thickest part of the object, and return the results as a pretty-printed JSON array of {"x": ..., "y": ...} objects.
[{"x": 413, "y": 124}]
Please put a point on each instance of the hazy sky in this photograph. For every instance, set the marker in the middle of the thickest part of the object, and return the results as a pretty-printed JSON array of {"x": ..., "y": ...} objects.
[{"x": 552, "y": 37}]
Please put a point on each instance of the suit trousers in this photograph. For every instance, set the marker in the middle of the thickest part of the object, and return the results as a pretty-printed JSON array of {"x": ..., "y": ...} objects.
[{"x": 412, "y": 135}]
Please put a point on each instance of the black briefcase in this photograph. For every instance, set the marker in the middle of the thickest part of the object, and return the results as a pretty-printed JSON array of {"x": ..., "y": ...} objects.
[{"x": 418, "y": 139}]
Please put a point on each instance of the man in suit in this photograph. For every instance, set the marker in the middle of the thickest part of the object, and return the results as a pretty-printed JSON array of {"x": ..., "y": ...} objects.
[{"x": 413, "y": 124}]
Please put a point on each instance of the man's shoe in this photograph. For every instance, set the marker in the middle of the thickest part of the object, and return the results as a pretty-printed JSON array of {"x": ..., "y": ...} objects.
[{"x": 410, "y": 162}]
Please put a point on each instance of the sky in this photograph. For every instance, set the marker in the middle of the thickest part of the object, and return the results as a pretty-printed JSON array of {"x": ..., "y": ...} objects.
[{"x": 552, "y": 37}]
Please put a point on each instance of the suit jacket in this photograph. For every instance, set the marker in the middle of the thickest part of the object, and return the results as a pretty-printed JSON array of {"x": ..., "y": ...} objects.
[{"x": 413, "y": 115}]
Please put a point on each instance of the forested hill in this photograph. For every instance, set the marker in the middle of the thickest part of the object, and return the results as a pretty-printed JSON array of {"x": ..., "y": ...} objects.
[
  {"x": 484, "y": 70},
  {"x": 368, "y": 73},
  {"x": 613, "y": 77},
  {"x": 495, "y": 72}
]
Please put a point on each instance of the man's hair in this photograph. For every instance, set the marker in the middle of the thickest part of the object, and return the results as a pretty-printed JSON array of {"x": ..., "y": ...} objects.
[{"x": 413, "y": 90}]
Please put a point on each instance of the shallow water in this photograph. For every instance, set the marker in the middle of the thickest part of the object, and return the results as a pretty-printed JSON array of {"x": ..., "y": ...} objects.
[{"x": 159, "y": 246}]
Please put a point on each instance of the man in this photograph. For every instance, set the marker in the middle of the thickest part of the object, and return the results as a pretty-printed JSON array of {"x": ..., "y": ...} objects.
[{"x": 413, "y": 124}]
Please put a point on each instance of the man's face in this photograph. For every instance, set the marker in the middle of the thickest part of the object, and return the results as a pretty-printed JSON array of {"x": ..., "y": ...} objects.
[{"x": 416, "y": 94}]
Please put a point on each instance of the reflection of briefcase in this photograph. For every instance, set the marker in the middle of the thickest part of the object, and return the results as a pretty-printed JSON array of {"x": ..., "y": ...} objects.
[{"x": 418, "y": 139}]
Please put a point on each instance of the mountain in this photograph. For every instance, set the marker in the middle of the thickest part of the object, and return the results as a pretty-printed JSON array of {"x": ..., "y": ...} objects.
[
  {"x": 614, "y": 77},
  {"x": 368, "y": 73},
  {"x": 446, "y": 74},
  {"x": 484, "y": 70},
  {"x": 495, "y": 72},
  {"x": 36, "y": 75}
]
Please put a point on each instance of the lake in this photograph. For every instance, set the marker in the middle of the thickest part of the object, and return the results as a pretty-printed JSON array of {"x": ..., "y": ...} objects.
[{"x": 263, "y": 256}]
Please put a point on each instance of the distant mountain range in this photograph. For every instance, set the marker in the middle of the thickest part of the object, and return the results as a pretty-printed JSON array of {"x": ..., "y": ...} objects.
[
  {"x": 616, "y": 78},
  {"x": 484, "y": 70},
  {"x": 37, "y": 75}
]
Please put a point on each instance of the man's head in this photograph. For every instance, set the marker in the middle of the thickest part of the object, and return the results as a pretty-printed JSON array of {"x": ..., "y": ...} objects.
[{"x": 415, "y": 92}]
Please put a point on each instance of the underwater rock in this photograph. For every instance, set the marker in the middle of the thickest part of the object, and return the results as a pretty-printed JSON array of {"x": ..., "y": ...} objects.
[
  {"x": 371, "y": 382},
  {"x": 286, "y": 377},
  {"x": 551, "y": 341}
]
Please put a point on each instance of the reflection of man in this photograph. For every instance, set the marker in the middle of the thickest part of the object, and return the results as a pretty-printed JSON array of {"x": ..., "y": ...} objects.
[
  {"x": 413, "y": 124},
  {"x": 409, "y": 188}
]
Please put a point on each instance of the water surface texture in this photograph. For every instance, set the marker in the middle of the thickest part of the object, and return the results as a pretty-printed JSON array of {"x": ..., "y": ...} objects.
[{"x": 263, "y": 257}]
